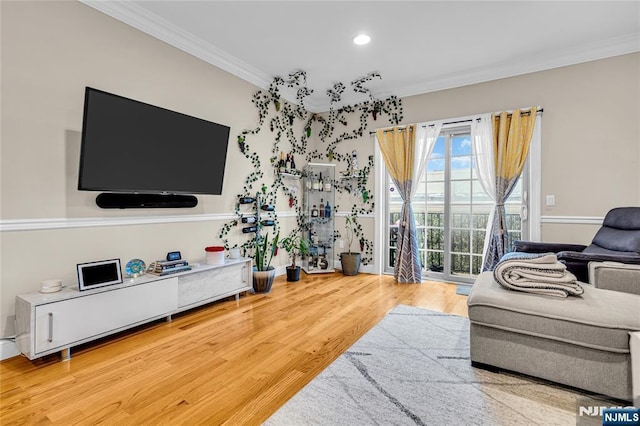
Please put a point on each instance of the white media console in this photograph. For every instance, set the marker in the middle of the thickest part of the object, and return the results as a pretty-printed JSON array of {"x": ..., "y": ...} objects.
[{"x": 55, "y": 322}]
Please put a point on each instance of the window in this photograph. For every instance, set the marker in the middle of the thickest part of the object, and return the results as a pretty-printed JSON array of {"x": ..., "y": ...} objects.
[{"x": 451, "y": 211}]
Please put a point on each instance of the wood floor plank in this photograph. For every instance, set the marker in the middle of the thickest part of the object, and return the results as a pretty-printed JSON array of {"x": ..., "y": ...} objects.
[{"x": 230, "y": 362}]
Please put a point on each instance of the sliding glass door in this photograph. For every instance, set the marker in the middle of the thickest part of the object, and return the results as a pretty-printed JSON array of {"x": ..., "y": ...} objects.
[{"x": 451, "y": 211}]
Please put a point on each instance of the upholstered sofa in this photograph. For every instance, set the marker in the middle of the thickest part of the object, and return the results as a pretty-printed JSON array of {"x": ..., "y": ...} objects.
[{"x": 582, "y": 342}]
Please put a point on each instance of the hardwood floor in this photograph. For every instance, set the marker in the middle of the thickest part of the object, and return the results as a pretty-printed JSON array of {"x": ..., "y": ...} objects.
[{"x": 230, "y": 362}]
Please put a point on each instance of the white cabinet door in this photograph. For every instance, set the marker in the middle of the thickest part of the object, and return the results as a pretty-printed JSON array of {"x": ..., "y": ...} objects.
[
  {"x": 61, "y": 324},
  {"x": 209, "y": 285}
]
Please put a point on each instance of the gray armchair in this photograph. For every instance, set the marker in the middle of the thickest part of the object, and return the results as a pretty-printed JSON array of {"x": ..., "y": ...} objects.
[{"x": 618, "y": 240}]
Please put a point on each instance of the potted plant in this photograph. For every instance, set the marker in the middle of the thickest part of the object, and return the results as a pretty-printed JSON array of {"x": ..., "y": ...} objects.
[
  {"x": 296, "y": 246},
  {"x": 350, "y": 260},
  {"x": 263, "y": 272}
]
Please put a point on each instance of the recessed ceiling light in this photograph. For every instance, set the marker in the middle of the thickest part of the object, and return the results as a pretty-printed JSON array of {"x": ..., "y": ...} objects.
[{"x": 362, "y": 39}]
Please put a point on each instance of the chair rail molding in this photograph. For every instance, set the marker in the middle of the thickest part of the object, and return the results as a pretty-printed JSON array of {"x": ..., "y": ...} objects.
[
  {"x": 14, "y": 225},
  {"x": 573, "y": 220}
]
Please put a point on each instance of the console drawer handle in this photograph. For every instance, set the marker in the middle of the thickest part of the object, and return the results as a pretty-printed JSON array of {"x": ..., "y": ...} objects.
[{"x": 50, "y": 327}]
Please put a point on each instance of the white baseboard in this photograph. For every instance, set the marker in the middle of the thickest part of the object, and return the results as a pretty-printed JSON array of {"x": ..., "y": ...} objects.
[
  {"x": 365, "y": 269},
  {"x": 8, "y": 350}
]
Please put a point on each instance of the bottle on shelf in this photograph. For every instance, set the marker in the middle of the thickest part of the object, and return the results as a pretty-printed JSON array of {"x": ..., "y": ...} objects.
[
  {"x": 268, "y": 207},
  {"x": 307, "y": 182},
  {"x": 327, "y": 210},
  {"x": 281, "y": 164},
  {"x": 268, "y": 222},
  {"x": 320, "y": 183},
  {"x": 249, "y": 229},
  {"x": 321, "y": 208},
  {"x": 287, "y": 163},
  {"x": 315, "y": 183},
  {"x": 293, "y": 163},
  {"x": 327, "y": 185},
  {"x": 246, "y": 200},
  {"x": 354, "y": 160},
  {"x": 323, "y": 262},
  {"x": 314, "y": 211},
  {"x": 249, "y": 219}
]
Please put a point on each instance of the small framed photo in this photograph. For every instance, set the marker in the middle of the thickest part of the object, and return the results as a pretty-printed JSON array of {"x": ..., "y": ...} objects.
[{"x": 99, "y": 274}]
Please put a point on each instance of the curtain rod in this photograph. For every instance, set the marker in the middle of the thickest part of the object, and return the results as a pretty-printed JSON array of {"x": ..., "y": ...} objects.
[
  {"x": 464, "y": 121},
  {"x": 470, "y": 120}
]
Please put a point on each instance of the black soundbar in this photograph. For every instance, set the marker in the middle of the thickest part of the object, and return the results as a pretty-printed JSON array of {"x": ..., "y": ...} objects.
[{"x": 109, "y": 200}]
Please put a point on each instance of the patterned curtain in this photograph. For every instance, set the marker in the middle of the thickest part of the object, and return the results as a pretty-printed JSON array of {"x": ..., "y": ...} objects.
[
  {"x": 511, "y": 137},
  {"x": 398, "y": 147}
]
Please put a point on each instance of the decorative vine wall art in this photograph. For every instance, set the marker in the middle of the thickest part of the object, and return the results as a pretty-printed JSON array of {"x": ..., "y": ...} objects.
[{"x": 293, "y": 127}]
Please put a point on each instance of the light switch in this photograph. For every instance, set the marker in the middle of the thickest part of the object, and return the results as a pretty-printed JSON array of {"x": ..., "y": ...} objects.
[{"x": 551, "y": 200}]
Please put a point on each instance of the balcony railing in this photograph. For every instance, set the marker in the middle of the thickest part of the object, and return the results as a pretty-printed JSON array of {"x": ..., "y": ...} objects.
[{"x": 467, "y": 239}]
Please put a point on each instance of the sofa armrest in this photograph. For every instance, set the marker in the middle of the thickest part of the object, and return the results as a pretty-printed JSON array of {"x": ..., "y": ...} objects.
[
  {"x": 615, "y": 276},
  {"x": 598, "y": 257},
  {"x": 578, "y": 262},
  {"x": 537, "y": 247}
]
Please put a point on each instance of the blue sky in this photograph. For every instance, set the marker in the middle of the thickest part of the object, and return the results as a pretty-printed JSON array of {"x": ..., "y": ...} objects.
[{"x": 460, "y": 146}]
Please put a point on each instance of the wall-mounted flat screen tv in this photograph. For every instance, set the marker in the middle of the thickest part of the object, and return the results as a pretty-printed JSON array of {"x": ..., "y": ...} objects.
[{"x": 133, "y": 147}]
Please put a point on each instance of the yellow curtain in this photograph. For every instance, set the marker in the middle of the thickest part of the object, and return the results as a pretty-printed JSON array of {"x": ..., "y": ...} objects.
[
  {"x": 398, "y": 147},
  {"x": 511, "y": 138},
  {"x": 512, "y": 135}
]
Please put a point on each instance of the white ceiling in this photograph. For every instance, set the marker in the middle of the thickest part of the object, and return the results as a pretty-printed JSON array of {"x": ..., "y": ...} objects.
[{"x": 417, "y": 46}]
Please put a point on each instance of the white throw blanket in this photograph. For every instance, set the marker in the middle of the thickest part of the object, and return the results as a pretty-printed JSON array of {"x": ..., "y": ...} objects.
[{"x": 536, "y": 273}]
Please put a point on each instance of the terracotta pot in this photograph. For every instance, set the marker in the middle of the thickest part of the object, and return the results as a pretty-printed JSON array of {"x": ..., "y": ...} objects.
[{"x": 263, "y": 280}]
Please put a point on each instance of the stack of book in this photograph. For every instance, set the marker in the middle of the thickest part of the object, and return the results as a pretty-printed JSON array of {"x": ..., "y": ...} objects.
[{"x": 166, "y": 267}]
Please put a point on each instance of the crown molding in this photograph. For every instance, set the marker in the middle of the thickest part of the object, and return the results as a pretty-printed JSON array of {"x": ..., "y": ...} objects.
[
  {"x": 139, "y": 18},
  {"x": 602, "y": 50},
  {"x": 605, "y": 49},
  {"x": 132, "y": 14}
]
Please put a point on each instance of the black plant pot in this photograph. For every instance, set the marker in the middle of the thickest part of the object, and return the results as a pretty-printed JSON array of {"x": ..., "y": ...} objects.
[
  {"x": 350, "y": 263},
  {"x": 293, "y": 274}
]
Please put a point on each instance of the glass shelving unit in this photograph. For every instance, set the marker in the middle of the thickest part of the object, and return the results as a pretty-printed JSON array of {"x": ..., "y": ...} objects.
[{"x": 318, "y": 206}]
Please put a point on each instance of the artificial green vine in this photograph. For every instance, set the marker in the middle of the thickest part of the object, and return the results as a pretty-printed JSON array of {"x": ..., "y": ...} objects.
[{"x": 282, "y": 124}]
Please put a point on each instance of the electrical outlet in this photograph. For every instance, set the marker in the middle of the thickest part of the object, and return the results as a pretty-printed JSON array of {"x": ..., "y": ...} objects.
[
  {"x": 551, "y": 200},
  {"x": 341, "y": 244}
]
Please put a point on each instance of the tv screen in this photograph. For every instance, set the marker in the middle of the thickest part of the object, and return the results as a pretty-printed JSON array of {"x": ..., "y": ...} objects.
[{"x": 131, "y": 146}]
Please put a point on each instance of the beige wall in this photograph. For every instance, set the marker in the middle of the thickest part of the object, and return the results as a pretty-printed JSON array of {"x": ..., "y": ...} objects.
[
  {"x": 590, "y": 133},
  {"x": 590, "y": 136},
  {"x": 52, "y": 50}
]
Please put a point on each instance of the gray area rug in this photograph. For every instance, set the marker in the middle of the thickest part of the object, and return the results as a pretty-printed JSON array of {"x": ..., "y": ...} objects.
[
  {"x": 413, "y": 368},
  {"x": 463, "y": 290}
]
